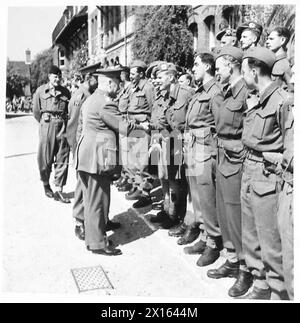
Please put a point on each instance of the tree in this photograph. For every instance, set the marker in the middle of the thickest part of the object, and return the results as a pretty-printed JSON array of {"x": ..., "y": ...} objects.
[
  {"x": 164, "y": 36},
  {"x": 15, "y": 81},
  {"x": 80, "y": 59},
  {"x": 40, "y": 67}
]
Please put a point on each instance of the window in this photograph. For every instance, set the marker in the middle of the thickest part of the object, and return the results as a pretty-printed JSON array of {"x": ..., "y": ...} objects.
[
  {"x": 228, "y": 15},
  {"x": 194, "y": 30},
  {"x": 210, "y": 23}
]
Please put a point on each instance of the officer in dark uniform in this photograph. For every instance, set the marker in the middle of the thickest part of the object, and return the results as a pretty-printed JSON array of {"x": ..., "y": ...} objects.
[
  {"x": 96, "y": 157},
  {"x": 227, "y": 37},
  {"x": 50, "y": 109},
  {"x": 249, "y": 34},
  {"x": 262, "y": 137},
  {"x": 78, "y": 97},
  {"x": 229, "y": 126},
  {"x": 139, "y": 110},
  {"x": 200, "y": 155},
  {"x": 276, "y": 42},
  {"x": 285, "y": 211}
]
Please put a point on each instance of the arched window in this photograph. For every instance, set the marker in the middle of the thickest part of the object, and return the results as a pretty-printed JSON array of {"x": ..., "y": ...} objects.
[
  {"x": 210, "y": 24},
  {"x": 194, "y": 30}
]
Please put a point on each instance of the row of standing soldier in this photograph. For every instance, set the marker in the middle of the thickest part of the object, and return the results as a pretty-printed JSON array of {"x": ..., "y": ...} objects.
[{"x": 236, "y": 161}]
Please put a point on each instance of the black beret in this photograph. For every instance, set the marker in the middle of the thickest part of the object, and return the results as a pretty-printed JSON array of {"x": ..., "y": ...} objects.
[{"x": 54, "y": 70}]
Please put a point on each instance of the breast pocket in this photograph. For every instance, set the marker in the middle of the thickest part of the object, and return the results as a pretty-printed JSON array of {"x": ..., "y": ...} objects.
[
  {"x": 63, "y": 103},
  {"x": 46, "y": 101},
  {"x": 234, "y": 114},
  {"x": 141, "y": 99},
  {"x": 263, "y": 123}
]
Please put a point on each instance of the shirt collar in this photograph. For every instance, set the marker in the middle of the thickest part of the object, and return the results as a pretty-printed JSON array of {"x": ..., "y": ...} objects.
[
  {"x": 141, "y": 84},
  {"x": 268, "y": 92},
  {"x": 237, "y": 86},
  {"x": 281, "y": 56}
]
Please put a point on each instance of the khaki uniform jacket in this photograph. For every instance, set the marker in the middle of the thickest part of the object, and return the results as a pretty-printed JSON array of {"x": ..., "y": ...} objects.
[
  {"x": 76, "y": 101},
  {"x": 45, "y": 100},
  {"x": 281, "y": 71}
]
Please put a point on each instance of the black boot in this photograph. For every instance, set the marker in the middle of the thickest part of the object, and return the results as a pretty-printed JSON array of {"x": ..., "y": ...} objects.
[
  {"x": 124, "y": 188},
  {"x": 208, "y": 257},
  {"x": 133, "y": 194},
  {"x": 241, "y": 286},
  {"x": 190, "y": 235},
  {"x": 197, "y": 248},
  {"x": 228, "y": 269},
  {"x": 143, "y": 201},
  {"x": 159, "y": 217},
  {"x": 48, "y": 191},
  {"x": 80, "y": 232},
  {"x": 178, "y": 230},
  {"x": 258, "y": 293}
]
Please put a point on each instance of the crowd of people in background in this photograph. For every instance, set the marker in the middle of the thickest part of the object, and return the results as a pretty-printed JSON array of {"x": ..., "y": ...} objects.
[{"x": 219, "y": 138}]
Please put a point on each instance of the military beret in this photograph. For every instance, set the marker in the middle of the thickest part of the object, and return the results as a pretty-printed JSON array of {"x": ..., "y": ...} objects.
[
  {"x": 262, "y": 54},
  {"x": 125, "y": 69},
  {"x": 235, "y": 52},
  {"x": 109, "y": 72},
  {"x": 203, "y": 50},
  {"x": 138, "y": 63},
  {"x": 151, "y": 67},
  {"x": 166, "y": 67},
  {"x": 251, "y": 25},
  {"x": 54, "y": 70},
  {"x": 226, "y": 32}
]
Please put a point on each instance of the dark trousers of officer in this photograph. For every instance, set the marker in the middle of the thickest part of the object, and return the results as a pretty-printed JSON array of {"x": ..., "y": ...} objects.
[
  {"x": 261, "y": 239},
  {"x": 175, "y": 197},
  {"x": 96, "y": 199},
  {"x": 203, "y": 192},
  {"x": 286, "y": 230},
  {"x": 53, "y": 148},
  {"x": 78, "y": 207},
  {"x": 228, "y": 195}
]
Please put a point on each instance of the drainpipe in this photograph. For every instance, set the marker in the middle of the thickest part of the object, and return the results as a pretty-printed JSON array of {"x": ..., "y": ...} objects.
[{"x": 125, "y": 36}]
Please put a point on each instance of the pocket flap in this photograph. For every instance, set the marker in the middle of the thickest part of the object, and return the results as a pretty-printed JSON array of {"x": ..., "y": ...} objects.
[
  {"x": 266, "y": 112},
  {"x": 203, "y": 98},
  {"x": 235, "y": 107},
  {"x": 264, "y": 188}
]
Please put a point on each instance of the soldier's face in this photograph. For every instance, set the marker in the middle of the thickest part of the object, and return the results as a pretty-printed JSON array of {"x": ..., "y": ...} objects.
[
  {"x": 54, "y": 79},
  {"x": 228, "y": 41},
  {"x": 163, "y": 80},
  {"x": 93, "y": 83},
  {"x": 199, "y": 69},
  {"x": 248, "y": 74},
  {"x": 247, "y": 39},
  {"x": 183, "y": 80},
  {"x": 222, "y": 70},
  {"x": 274, "y": 41},
  {"x": 135, "y": 76}
]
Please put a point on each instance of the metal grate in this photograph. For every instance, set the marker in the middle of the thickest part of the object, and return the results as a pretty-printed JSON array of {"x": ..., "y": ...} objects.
[{"x": 90, "y": 278}]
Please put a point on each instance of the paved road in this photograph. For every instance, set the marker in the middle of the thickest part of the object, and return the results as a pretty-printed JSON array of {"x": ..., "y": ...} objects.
[{"x": 40, "y": 249}]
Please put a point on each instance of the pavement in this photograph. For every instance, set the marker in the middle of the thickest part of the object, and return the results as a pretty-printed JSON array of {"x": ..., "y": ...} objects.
[{"x": 40, "y": 248}]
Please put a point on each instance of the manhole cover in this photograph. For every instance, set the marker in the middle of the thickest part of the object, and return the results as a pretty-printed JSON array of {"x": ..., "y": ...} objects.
[{"x": 90, "y": 278}]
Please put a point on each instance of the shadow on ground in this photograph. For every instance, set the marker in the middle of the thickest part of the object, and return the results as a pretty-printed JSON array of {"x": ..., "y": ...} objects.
[{"x": 133, "y": 227}]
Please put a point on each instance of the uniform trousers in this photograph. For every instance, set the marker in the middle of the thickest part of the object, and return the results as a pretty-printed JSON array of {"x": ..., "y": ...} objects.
[
  {"x": 286, "y": 230},
  {"x": 78, "y": 207},
  {"x": 228, "y": 191},
  {"x": 261, "y": 239},
  {"x": 203, "y": 193},
  {"x": 53, "y": 148},
  {"x": 96, "y": 199}
]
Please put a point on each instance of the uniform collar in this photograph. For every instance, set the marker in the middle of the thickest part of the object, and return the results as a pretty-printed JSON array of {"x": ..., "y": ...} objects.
[
  {"x": 207, "y": 86},
  {"x": 268, "y": 92},
  {"x": 52, "y": 89},
  {"x": 281, "y": 56},
  {"x": 237, "y": 87},
  {"x": 174, "y": 91},
  {"x": 141, "y": 84}
]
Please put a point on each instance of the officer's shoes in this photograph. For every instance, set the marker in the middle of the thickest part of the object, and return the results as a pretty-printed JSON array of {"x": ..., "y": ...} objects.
[
  {"x": 134, "y": 194},
  {"x": 159, "y": 217},
  {"x": 258, "y": 293},
  {"x": 80, "y": 232},
  {"x": 178, "y": 230},
  {"x": 48, "y": 191},
  {"x": 58, "y": 196},
  {"x": 190, "y": 235},
  {"x": 119, "y": 182},
  {"x": 228, "y": 269},
  {"x": 242, "y": 284},
  {"x": 124, "y": 188},
  {"x": 197, "y": 248},
  {"x": 142, "y": 202},
  {"x": 169, "y": 223},
  {"x": 110, "y": 225},
  {"x": 108, "y": 251},
  {"x": 208, "y": 257}
]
